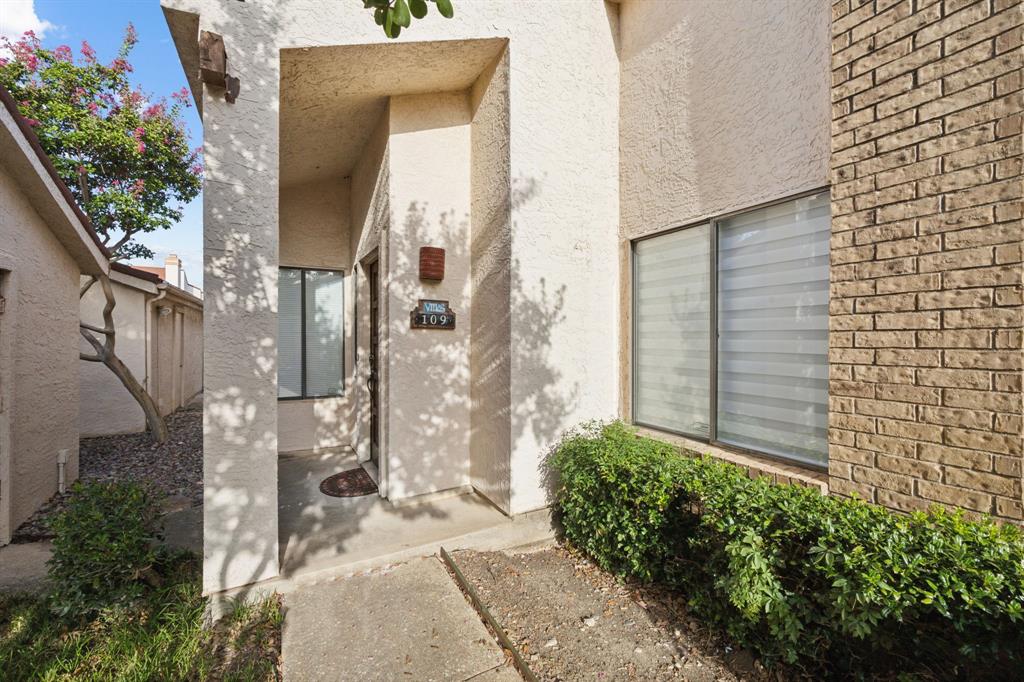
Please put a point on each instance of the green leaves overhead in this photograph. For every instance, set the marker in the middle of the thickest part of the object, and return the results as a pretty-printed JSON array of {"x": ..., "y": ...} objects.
[
  {"x": 418, "y": 8},
  {"x": 445, "y": 8},
  {"x": 394, "y": 15}
]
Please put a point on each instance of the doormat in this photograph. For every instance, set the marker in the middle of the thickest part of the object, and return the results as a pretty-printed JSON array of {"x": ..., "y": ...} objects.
[{"x": 351, "y": 483}]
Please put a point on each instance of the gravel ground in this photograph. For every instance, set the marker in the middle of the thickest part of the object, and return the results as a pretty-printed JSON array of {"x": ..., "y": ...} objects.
[
  {"x": 174, "y": 468},
  {"x": 573, "y": 621}
]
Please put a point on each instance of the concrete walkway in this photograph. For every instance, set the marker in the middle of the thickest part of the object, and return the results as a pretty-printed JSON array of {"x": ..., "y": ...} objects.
[
  {"x": 406, "y": 622},
  {"x": 23, "y": 566}
]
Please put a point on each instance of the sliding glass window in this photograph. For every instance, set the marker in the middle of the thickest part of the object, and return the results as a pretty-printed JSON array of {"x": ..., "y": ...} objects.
[
  {"x": 672, "y": 289},
  {"x": 768, "y": 390},
  {"x": 310, "y": 339}
]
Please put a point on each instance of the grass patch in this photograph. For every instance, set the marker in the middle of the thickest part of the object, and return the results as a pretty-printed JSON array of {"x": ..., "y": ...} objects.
[{"x": 159, "y": 636}]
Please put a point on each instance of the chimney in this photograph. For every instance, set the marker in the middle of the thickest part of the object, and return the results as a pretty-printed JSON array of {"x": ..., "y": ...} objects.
[{"x": 173, "y": 270}]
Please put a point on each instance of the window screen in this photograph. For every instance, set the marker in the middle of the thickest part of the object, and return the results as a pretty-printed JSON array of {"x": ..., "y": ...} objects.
[{"x": 310, "y": 333}]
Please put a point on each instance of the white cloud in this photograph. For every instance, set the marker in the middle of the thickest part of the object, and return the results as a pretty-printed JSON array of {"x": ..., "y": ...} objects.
[{"x": 18, "y": 16}]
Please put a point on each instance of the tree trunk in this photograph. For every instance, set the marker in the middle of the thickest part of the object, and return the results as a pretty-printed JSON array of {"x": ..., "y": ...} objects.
[{"x": 105, "y": 353}]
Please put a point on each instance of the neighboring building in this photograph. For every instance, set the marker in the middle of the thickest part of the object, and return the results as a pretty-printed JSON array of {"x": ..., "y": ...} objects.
[
  {"x": 173, "y": 272},
  {"x": 159, "y": 337},
  {"x": 46, "y": 245},
  {"x": 797, "y": 246}
]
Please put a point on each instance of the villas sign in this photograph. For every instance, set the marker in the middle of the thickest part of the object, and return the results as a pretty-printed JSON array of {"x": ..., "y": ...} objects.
[{"x": 432, "y": 315}]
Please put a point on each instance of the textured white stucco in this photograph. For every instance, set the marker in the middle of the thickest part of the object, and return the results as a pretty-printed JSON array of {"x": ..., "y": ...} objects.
[
  {"x": 39, "y": 339},
  {"x": 724, "y": 105},
  {"x": 563, "y": 165},
  {"x": 490, "y": 248},
  {"x": 428, "y": 370}
]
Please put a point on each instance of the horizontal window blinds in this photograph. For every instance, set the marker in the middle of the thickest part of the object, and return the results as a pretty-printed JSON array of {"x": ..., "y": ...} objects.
[
  {"x": 324, "y": 313},
  {"x": 773, "y": 329},
  {"x": 289, "y": 333},
  {"x": 672, "y": 331}
]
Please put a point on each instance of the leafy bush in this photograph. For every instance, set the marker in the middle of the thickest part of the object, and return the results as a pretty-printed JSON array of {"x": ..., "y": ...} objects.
[
  {"x": 159, "y": 636},
  {"x": 822, "y": 582},
  {"x": 104, "y": 548}
]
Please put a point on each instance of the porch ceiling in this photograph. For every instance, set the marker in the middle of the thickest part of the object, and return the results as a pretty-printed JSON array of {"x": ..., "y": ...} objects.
[{"x": 331, "y": 97}]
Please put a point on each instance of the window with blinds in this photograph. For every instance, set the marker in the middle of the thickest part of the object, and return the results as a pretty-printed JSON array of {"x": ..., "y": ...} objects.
[
  {"x": 764, "y": 313},
  {"x": 310, "y": 345},
  {"x": 672, "y": 290}
]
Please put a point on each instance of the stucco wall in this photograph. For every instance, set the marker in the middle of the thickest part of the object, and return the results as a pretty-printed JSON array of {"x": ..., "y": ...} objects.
[
  {"x": 564, "y": 272},
  {"x": 712, "y": 126},
  {"x": 315, "y": 233},
  {"x": 490, "y": 249},
  {"x": 40, "y": 327},
  {"x": 724, "y": 105},
  {"x": 428, "y": 370},
  {"x": 108, "y": 407}
]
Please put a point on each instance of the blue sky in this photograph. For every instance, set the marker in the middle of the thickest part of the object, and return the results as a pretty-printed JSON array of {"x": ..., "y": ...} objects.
[{"x": 157, "y": 70}]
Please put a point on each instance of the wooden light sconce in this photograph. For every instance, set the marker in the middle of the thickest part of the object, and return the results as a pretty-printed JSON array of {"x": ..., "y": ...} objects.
[
  {"x": 431, "y": 263},
  {"x": 213, "y": 65}
]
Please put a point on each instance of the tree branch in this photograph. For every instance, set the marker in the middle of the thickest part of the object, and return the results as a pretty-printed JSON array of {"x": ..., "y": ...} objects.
[
  {"x": 87, "y": 286},
  {"x": 98, "y": 330},
  {"x": 108, "y": 313},
  {"x": 89, "y": 358},
  {"x": 95, "y": 343}
]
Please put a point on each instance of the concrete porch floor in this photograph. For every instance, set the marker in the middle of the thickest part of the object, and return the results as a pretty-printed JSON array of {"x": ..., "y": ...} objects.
[{"x": 318, "y": 532}]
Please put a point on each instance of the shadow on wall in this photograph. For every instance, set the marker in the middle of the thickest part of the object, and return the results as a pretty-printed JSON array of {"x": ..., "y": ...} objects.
[{"x": 430, "y": 389}]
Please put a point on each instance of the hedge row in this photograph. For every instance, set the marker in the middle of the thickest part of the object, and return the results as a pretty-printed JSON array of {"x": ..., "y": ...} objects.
[{"x": 833, "y": 585}]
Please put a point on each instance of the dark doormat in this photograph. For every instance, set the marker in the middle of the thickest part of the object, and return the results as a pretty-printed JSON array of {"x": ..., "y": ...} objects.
[{"x": 352, "y": 483}]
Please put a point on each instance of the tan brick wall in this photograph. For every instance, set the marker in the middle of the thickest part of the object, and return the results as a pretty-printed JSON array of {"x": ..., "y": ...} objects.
[{"x": 926, "y": 318}]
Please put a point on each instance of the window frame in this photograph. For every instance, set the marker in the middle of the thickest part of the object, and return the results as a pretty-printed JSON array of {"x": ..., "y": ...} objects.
[
  {"x": 713, "y": 231},
  {"x": 302, "y": 332}
]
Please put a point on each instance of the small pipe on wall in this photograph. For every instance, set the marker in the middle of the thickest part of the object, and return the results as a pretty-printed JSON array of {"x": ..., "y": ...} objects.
[{"x": 62, "y": 463}]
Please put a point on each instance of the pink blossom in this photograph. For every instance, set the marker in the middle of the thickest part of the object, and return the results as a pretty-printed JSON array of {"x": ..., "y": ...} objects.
[
  {"x": 25, "y": 52},
  {"x": 121, "y": 65},
  {"x": 153, "y": 110},
  {"x": 93, "y": 108},
  {"x": 139, "y": 132},
  {"x": 137, "y": 187},
  {"x": 130, "y": 36},
  {"x": 62, "y": 53},
  {"x": 142, "y": 147},
  {"x": 4, "y": 61},
  {"x": 88, "y": 53},
  {"x": 197, "y": 169},
  {"x": 182, "y": 97},
  {"x": 31, "y": 121}
]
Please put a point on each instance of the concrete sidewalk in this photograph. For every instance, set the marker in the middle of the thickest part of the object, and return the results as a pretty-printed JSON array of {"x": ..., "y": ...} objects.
[
  {"x": 23, "y": 566},
  {"x": 406, "y": 622}
]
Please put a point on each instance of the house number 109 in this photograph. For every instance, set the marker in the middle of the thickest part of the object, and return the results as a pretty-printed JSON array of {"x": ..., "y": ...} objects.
[{"x": 432, "y": 315}]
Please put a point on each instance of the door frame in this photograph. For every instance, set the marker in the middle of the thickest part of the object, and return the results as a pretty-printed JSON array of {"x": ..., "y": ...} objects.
[{"x": 373, "y": 263}]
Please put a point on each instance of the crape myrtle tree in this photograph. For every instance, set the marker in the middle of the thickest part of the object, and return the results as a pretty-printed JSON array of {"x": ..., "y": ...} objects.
[{"x": 124, "y": 155}]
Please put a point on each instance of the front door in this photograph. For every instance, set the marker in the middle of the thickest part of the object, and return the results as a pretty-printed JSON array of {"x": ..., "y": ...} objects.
[{"x": 372, "y": 382}]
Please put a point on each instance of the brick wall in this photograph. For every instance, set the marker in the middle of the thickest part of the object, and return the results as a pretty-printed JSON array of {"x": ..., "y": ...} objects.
[{"x": 925, "y": 338}]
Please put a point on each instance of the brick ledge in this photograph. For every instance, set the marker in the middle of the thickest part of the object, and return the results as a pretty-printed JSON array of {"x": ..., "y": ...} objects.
[{"x": 755, "y": 466}]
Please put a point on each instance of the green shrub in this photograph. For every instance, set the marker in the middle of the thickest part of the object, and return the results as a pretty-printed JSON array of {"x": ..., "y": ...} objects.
[
  {"x": 826, "y": 583},
  {"x": 104, "y": 548}
]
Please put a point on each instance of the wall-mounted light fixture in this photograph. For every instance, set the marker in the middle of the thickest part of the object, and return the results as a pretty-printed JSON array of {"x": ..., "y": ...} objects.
[{"x": 431, "y": 263}]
